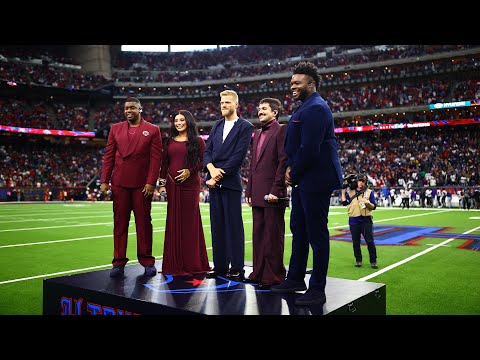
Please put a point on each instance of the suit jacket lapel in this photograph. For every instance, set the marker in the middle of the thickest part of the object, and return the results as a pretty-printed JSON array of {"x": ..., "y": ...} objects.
[
  {"x": 254, "y": 147},
  {"x": 132, "y": 144},
  {"x": 311, "y": 98},
  {"x": 228, "y": 140},
  {"x": 231, "y": 134},
  {"x": 269, "y": 135},
  {"x": 217, "y": 139},
  {"x": 296, "y": 109},
  {"x": 122, "y": 135}
]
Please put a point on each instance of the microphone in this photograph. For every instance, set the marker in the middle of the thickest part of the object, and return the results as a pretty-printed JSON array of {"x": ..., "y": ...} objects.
[
  {"x": 217, "y": 185},
  {"x": 280, "y": 198}
]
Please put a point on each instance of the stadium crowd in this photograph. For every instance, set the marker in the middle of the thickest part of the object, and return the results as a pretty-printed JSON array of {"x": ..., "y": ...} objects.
[{"x": 357, "y": 85}]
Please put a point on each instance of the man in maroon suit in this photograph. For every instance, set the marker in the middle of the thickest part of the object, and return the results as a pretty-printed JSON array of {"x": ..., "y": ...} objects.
[
  {"x": 131, "y": 164},
  {"x": 266, "y": 193}
]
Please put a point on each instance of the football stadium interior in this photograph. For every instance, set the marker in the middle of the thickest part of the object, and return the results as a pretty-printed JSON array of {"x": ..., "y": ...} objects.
[{"x": 407, "y": 116}]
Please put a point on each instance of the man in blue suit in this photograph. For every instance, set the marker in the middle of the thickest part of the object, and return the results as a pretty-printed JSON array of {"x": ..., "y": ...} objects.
[
  {"x": 225, "y": 151},
  {"x": 313, "y": 171}
]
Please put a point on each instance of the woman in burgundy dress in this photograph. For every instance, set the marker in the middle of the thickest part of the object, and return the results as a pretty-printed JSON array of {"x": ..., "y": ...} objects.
[{"x": 184, "y": 251}]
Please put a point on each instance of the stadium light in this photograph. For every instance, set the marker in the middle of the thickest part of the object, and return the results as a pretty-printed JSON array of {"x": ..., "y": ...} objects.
[{"x": 173, "y": 48}]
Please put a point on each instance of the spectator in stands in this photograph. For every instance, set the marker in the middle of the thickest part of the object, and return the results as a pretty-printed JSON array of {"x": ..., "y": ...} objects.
[
  {"x": 266, "y": 178},
  {"x": 313, "y": 170},
  {"x": 226, "y": 148},
  {"x": 361, "y": 202},
  {"x": 131, "y": 164},
  {"x": 184, "y": 251}
]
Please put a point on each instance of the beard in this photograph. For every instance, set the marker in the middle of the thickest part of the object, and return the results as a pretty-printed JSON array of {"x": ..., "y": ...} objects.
[
  {"x": 302, "y": 95},
  {"x": 228, "y": 112}
]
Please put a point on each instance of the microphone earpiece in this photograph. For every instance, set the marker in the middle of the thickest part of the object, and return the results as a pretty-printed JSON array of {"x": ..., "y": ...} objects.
[{"x": 280, "y": 198}]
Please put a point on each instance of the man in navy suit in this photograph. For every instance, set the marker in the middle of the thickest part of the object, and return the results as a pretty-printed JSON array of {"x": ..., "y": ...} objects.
[
  {"x": 225, "y": 151},
  {"x": 313, "y": 171},
  {"x": 266, "y": 193}
]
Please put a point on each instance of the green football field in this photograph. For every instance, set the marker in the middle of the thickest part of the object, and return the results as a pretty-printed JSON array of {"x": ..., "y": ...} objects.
[{"x": 429, "y": 259}]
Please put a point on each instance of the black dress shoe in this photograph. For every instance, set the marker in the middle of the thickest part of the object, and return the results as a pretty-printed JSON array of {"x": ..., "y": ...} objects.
[
  {"x": 311, "y": 297},
  {"x": 213, "y": 274},
  {"x": 264, "y": 286},
  {"x": 150, "y": 270},
  {"x": 117, "y": 271},
  {"x": 250, "y": 281},
  {"x": 289, "y": 286},
  {"x": 236, "y": 275}
]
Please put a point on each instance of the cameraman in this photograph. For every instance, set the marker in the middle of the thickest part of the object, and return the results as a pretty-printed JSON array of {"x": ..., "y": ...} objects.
[{"x": 360, "y": 201}]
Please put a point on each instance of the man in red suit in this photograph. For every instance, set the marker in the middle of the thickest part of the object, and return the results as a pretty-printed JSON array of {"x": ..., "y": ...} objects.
[
  {"x": 131, "y": 164},
  {"x": 266, "y": 193}
]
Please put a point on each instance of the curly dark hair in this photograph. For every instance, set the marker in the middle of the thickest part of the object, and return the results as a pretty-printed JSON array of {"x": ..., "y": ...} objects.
[
  {"x": 193, "y": 146},
  {"x": 310, "y": 69}
]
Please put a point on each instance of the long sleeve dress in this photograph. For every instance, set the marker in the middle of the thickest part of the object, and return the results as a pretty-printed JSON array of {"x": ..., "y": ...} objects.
[{"x": 184, "y": 252}]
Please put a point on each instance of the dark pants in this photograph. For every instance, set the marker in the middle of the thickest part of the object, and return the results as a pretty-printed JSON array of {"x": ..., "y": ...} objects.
[
  {"x": 365, "y": 228},
  {"x": 268, "y": 239},
  {"x": 126, "y": 200},
  {"x": 226, "y": 223},
  {"x": 308, "y": 223}
]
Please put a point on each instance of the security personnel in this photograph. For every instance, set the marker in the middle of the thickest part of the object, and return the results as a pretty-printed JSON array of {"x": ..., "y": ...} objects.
[{"x": 361, "y": 202}]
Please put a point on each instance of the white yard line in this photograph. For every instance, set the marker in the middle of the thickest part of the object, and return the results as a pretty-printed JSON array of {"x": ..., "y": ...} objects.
[
  {"x": 57, "y": 227},
  {"x": 131, "y": 262},
  {"x": 132, "y": 221},
  {"x": 55, "y": 274},
  {"x": 86, "y": 238},
  {"x": 390, "y": 219},
  {"x": 56, "y": 219},
  {"x": 68, "y": 240},
  {"x": 74, "y": 218},
  {"x": 207, "y": 225},
  {"x": 393, "y": 266}
]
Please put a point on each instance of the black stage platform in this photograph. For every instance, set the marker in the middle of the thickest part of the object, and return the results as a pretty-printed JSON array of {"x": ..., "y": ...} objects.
[{"x": 95, "y": 293}]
